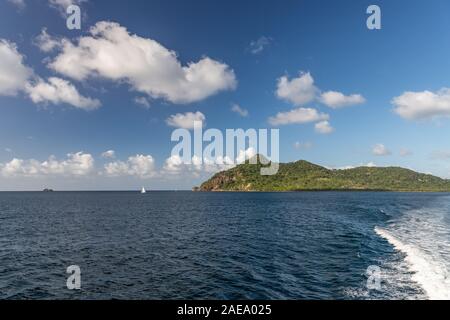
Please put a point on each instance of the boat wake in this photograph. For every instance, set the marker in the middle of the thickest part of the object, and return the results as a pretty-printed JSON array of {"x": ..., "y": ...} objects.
[{"x": 423, "y": 238}]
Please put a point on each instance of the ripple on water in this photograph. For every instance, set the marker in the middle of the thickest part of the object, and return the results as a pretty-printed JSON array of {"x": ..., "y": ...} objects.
[{"x": 184, "y": 245}]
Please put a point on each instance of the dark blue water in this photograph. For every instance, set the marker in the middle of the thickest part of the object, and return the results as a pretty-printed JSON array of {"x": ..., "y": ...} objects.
[{"x": 183, "y": 245}]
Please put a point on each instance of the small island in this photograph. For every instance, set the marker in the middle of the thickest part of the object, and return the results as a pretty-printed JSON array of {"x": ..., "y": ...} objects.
[
  {"x": 305, "y": 176},
  {"x": 47, "y": 190}
]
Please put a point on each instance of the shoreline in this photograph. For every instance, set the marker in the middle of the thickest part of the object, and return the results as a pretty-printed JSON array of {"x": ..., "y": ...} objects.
[
  {"x": 231, "y": 191},
  {"x": 324, "y": 190}
]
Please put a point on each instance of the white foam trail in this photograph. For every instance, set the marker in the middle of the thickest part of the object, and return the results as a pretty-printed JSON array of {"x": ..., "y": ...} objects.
[{"x": 432, "y": 276}]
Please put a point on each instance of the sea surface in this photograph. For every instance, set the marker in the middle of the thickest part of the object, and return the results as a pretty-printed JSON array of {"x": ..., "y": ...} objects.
[{"x": 186, "y": 245}]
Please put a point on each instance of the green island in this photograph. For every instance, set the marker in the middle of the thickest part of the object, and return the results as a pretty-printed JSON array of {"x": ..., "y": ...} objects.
[{"x": 305, "y": 176}]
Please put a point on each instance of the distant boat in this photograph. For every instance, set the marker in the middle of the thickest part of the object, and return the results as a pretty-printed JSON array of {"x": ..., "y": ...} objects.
[
  {"x": 47, "y": 190},
  {"x": 143, "y": 190}
]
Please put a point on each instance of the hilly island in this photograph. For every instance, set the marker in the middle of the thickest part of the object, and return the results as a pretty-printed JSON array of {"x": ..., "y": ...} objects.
[{"x": 305, "y": 176}]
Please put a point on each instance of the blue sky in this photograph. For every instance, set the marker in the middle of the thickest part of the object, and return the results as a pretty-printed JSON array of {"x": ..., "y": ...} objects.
[{"x": 251, "y": 45}]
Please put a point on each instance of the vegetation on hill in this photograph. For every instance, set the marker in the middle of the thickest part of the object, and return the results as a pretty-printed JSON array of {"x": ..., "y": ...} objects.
[{"x": 303, "y": 175}]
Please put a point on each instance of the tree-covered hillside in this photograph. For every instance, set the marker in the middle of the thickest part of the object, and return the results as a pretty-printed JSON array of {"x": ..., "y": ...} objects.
[{"x": 303, "y": 175}]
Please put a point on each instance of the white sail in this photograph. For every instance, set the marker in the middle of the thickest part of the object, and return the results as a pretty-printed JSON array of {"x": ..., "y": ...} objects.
[{"x": 143, "y": 190}]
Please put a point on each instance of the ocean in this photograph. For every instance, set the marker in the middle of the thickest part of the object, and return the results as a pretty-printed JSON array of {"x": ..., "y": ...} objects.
[{"x": 188, "y": 245}]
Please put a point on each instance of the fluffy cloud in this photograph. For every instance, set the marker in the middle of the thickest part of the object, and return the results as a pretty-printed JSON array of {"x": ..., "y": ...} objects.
[
  {"x": 380, "y": 150},
  {"x": 110, "y": 154},
  {"x": 368, "y": 165},
  {"x": 142, "y": 166},
  {"x": 111, "y": 52},
  {"x": 76, "y": 164},
  {"x": 15, "y": 76},
  {"x": 298, "y": 91},
  {"x": 300, "y": 115},
  {"x": 59, "y": 91},
  {"x": 302, "y": 90},
  {"x": 423, "y": 105},
  {"x": 258, "y": 46},
  {"x": 334, "y": 99},
  {"x": 245, "y": 155},
  {"x": 185, "y": 120},
  {"x": 175, "y": 165},
  {"x": 323, "y": 127},
  {"x": 241, "y": 111},
  {"x": 47, "y": 43},
  {"x": 13, "y": 73}
]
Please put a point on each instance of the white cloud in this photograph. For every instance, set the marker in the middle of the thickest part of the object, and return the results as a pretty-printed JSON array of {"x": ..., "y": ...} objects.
[
  {"x": 58, "y": 91},
  {"x": 380, "y": 150},
  {"x": 245, "y": 155},
  {"x": 300, "y": 115},
  {"x": 298, "y": 91},
  {"x": 334, "y": 99},
  {"x": 368, "y": 165},
  {"x": 76, "y": 164},
  {"x": 111, "y": 52},
  {"x": 185, "y": 120},
  {"x": 258, "y": 46},
  {"x": 20, "y": 4},
  {"x": 110, "y": 154},
  {"x": 175, "y": 165},
  {"x": 423, "y": 105},
  {"x": 323, "y": 127},
  {"x": 218, "y": 164},
  {"x": 13, "y": 73},
  {"x": 142, "y": 166},
  {"x": 16, "y": 77},
  {"x": 142, "y": 101},
  {"x": 47, "y": 43},
  {"x": 241, "y": 111},
  {"x": 19, "y": 167}
]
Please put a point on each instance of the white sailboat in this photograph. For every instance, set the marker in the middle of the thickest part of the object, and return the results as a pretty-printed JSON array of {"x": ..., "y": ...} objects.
[{"x": 143, "y": 190}]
